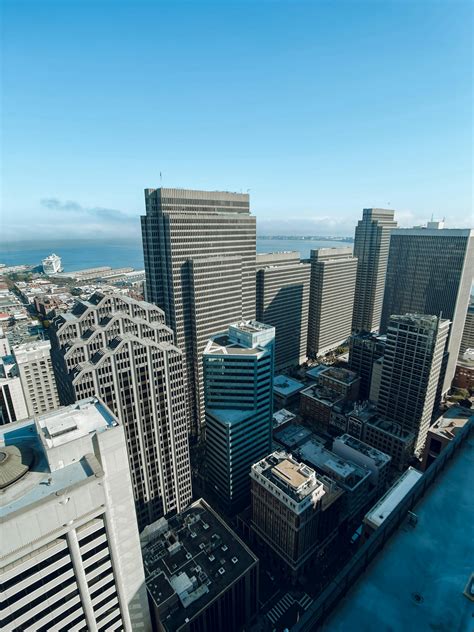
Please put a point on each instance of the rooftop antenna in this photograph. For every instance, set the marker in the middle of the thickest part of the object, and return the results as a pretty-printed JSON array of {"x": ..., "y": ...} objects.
[
  {"x": 161, "y": 179},
  {"x": 431, "y": 216}
]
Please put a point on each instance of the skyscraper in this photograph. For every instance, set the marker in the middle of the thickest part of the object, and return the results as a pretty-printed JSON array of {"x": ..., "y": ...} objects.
[
  {"x": 37, "y": 377},
  {"x": 364, "y": 349},
  {"x": 238, "y": 379},
  {"x": 199, "y": 249},
  {"x": 70, "y": 555},
  {"x": 120, "y": 350},
  {"x": 283, "y": 283},
  {"x": 331, "y": 300},
  {"x": 430, "y": 271},
  {"x": 371, "y": 245},
  {"x": 410, "y": 372}
]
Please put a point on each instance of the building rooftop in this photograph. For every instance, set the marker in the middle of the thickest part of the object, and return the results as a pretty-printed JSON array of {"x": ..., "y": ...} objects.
[
  {"x": 322, "y": 394},
  {"x": 282, "y": 417},
  {"x": 189, "y": 560},
  {"x": 346, "y": 376},
  {"x": 292, "y": 435},
  {"x": 392, "y": 498},
  {"x": 390, "y": 427},
  {"x": 418, "y": 579},
  {"x": 452, "y": 421},
  {"x": 316, "y": 371},
  {"x": 44, "y": 475},
  {"x": 379, "y": 457},
  {"x": 285, "y": 386}
]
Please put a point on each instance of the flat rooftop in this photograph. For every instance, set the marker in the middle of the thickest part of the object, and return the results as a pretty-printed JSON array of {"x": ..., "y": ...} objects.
[
  {"x": 292, "y": 435},
  {"x": 346, "y": 376},
  {"x": 418, "y": 579},
  {"x": 341, "y": 470},
  {"x": 189, "y": 560},
  {"x": 452, "y": 421},
  {"x": 286, "y": 386},
  {"x": 322, "y": 394},
  {"x": 282, "y": 416},
  {"x": 379, "y": 457},
  {"x": 316, "y": 371},
  {"x": 391, "y": 428},
  {"x": 392, "y": 498}
]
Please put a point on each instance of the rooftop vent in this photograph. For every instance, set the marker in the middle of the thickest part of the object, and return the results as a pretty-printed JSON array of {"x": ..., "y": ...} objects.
[
  {"x": 235, "y": 560},
  {"x": 221, "y": 571}
]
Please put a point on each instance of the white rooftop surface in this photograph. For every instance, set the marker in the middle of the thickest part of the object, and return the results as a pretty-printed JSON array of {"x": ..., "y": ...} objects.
[
  {"x": 282, "y": 415},
  {"x": 390, "y": 500},
  {"x": 433, "y": 560},
  {"x": 73, "y": 422},
  {"x": 316, "y": 454}
]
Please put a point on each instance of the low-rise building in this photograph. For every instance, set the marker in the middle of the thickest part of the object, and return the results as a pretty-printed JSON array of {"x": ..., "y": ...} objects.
[
  {"x": 199, "y": 575},
  {"x": 464, "y": 373},
  {"x": 295, "y": 512},
  {"x": 341, "y": 380},
  {"x": 316, "y": 405},
  {"x": 443, "y": 431},
  {"x": 366, "y": 456},
  {"x": 282, "y": 417},
  {"x": 286, "y": 390},
  {"x": 391, "y": 438}
]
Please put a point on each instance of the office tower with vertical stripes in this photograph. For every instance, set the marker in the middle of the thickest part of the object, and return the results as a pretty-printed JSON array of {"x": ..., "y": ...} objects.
[
  {"x": 36, "y": 373},
  {"x": 371, "y": 245},
  {"x": 411, "y": 369},
  {"x": 238, "y": 379},
  {"x": 120, "y": 350},
  {"x": 331, "y": 299},
  {"x": 199, "y": 249},
  {"x": 283, "y": 283},
  {"x": 430, "y": 271},
  {"x": 70, "y": 555}
]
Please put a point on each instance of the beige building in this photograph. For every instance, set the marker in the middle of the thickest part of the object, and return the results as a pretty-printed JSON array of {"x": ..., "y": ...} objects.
[
  {"x": 70, "y": 554},
  {"x": 283, "y": 283},
  {"x": 121, "y": 350},
  {"x": 371, "y": 245},
  {"x": 199, "y": 249},
  {"x": 331, "y": 301},
  {"x": 37, "y": 376},
  {"x": 443, "y": 431}
]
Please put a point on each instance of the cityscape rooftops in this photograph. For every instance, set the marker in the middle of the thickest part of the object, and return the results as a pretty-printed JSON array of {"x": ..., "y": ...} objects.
[
  {"x": 285, "y": 386},
  {"x": 244, "y": 338},
  {"x": 189, "y": 560},
  {"x": 316, "y": 371},
  {"x": 323, "y": 394},
  {"x": 392, "y": 498},
  {"x": 391, "y": 428},
  {"x": 339, "y": 374},
  {"x": 379, "y": 457},
  {"x": 282, "y": 417},
  {"x": 292, "y": 436}
]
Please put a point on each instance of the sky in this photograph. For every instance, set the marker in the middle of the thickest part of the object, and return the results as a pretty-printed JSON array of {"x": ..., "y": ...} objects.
[{"x": 318, "y": 109}]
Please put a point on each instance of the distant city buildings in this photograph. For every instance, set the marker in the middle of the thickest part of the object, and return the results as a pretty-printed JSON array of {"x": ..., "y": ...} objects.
[
  {"x": 467, "y": 340},
  {"x": 199, "y": 574},
  {"x": 410, "y": 372},
  {"x": 371, "y": 245},
  {"x": 283, "y": 284},
  {"x": 238, "y": 378},
  {"x": 71, "y": 560},
  {"x": 333, "y": 277},
  {"x": 199, "y": 249},
  {"x": 429, "y": 271},
  {"x": 121, "y": 350},
  {"x": 35, "y": 370}
]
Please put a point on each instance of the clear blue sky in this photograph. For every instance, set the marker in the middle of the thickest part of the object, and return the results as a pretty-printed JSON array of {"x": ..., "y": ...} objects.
[{"x": 319, "y": 108}]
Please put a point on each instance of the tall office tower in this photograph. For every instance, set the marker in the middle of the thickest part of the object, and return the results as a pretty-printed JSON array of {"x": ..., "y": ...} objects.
[
  {"x": 410, "y": 372},
  {"x": 12, "y": 400},
  {"x": 120, "y": 349},
  {"x": 364, "y": 349},
  {"x": 331, "y": 300},
  {"x": 282, "y": 301},
  {"x": 37, "y": 376},
  {"x": 371, "y": 244},
  {"x": 467, "y": 340},
  {"x": 430, "y": 271},
  {"x": 199, "y": 249},
  {"x": 70, "y": 555},
  {"x": 238, "y": 379}
]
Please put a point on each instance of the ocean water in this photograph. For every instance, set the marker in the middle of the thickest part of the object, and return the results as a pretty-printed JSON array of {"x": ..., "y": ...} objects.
[{"x": 81, "y": 253}]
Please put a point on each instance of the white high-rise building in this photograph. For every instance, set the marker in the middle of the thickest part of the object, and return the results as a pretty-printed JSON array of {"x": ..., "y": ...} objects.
[
  {"x": 70, "y": 554},
  {"x": 12, "y": 400},
  {"x": 37, "y": 377}
]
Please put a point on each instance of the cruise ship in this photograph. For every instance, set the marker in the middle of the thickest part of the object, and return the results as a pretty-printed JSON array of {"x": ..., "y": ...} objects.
[{"x": 52, "y": 264}]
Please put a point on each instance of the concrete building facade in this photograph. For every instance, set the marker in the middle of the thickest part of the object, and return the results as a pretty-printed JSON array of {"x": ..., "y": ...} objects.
[
  {"x": 331, "y": 302},
  {"x": 35, "y": 370},
  {"x": 120, "y": 349},
  {"x": 199, "y": 249},
  {"x": 430, "y": 271},
  {"x": 283, "y": 284},
  {"x": 72, "y": 558},
  {"x": 371, "y": 246},
  {"x": 410, "y": 372},
  {"x": 467, "y": 340},
  {"x": 364, "y": 349},
  {"x": 238, "y": 378}
]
